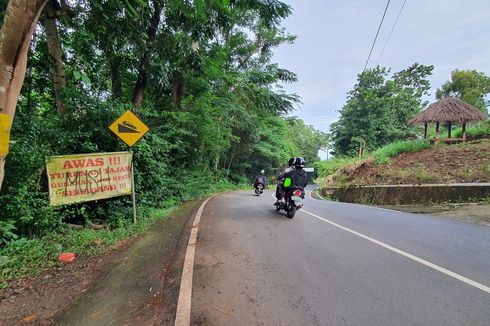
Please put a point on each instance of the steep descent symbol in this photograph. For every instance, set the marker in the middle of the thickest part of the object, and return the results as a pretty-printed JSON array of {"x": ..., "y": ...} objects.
[{"x": 127, "y": 127}]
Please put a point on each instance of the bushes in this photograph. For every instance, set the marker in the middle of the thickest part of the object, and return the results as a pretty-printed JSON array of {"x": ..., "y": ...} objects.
[
  {"x": 480, "y": 130},
  {"x": 326, "y": 168},
  {"x": 166, "y": 171}
]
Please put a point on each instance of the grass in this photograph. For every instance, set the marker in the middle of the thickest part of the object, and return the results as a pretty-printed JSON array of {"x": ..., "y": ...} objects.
[
  {"x": 479, "y": 130},
  {"x": 383, "y": 154},
  {"x": 418, "y": 174},
  {"x": 25, "y": 257},
  {"x": 328, "y": 167}
]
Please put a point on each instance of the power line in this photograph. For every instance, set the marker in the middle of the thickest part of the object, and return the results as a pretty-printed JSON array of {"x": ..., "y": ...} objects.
[
  {"x": 399, "y": 13},
  {"x": 376, "y": 37}
]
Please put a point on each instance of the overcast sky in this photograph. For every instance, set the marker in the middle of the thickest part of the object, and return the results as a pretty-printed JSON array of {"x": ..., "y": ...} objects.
[{"x": 334, "y": 38}]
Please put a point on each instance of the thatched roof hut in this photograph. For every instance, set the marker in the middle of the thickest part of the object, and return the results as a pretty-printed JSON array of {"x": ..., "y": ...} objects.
[{"x": 449, "y": 110}]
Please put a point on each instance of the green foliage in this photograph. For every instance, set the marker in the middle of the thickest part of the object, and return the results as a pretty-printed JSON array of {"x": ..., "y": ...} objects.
[
  {"x": 383, "y": 154},
  {"x": 377, "y": 108},
  {"x": 329, "y": 167},
  {"x": 228, "y": 124},
  {"x": 470, "y": 86},
  {"x": 30, "y": 256},
  {"x": 306, "y": 140},
  {"x": 480, "y": 130}
]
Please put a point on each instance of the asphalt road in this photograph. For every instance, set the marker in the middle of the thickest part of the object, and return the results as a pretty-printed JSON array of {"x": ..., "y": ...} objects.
[{"x": 338, "y": 264}]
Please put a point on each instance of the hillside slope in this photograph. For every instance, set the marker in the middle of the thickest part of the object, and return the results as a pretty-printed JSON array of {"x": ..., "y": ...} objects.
[{"x": 459, "y": 163}]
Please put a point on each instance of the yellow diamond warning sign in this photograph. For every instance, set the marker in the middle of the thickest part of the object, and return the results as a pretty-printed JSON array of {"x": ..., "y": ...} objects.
[{"x": 129, "y": 128}]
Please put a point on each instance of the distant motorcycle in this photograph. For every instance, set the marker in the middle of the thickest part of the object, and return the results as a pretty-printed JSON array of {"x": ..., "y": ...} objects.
[
  {"x": 259, "y": 189},
  {"x": 292, "y": 202}
]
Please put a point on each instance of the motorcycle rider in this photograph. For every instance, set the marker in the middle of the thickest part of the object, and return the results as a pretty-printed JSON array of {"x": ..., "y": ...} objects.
[
  {"x": 261, "y": 178},
  {"x": 298, "y": 177},
  {"x": 280, "y": 180}
]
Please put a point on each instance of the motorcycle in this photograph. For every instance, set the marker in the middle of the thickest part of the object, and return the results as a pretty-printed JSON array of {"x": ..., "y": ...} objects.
[
  {"x": 259, "y": 189},
  {"x": 292, "y": 202}
]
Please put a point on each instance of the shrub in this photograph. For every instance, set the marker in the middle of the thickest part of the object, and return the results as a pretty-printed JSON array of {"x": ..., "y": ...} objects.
[
  {"x": 329, "y": 167},
  {"x": 480, "y": 130}
]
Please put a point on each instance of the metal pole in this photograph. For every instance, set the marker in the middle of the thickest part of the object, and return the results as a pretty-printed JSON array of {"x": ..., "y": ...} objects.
[{"x": 133, "y": 187}]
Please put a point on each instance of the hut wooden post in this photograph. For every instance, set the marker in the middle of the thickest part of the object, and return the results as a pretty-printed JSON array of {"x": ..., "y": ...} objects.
[
  {"x": 436, "y": 142},
  {"x": 449, "y": 110}
]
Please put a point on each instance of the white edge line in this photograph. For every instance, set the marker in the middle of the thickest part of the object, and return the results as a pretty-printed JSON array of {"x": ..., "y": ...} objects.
[
  {"x": 407, "y": 255},
  {"x": 183, "y": 314}
]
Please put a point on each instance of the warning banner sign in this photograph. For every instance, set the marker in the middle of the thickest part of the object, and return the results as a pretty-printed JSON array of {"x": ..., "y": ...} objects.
[{"x": 85, "y": 177}]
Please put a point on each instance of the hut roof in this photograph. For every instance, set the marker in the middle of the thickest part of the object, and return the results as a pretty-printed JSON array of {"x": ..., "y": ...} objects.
[{"x": 449, "y": 109}]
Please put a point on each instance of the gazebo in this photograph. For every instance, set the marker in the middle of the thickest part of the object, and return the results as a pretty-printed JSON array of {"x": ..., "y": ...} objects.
[{"x": 449, "y": 110}]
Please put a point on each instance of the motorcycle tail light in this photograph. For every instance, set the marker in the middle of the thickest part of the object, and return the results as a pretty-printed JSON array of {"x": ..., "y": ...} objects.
[{"x": 297, "y": 193}]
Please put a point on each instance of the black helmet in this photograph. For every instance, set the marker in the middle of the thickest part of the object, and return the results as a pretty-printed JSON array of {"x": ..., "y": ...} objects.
[
  {"x": 299, "y": 162},
  {"x": 291, "y": 161}
]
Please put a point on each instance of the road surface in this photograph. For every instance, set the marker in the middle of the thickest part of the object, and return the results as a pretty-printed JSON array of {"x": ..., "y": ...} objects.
[{"x": 336, "y": 264}]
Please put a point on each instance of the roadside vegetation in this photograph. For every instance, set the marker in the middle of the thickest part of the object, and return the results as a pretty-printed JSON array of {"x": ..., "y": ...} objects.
[
  {"x": 411, "y": 163},
  {"x": 200, "y": 75}
]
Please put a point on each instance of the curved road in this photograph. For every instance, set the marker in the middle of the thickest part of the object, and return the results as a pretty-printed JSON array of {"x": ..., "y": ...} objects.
[{"x": 336, "y": 264}]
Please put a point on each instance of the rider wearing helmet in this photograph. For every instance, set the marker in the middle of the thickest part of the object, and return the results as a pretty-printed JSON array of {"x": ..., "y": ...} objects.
[
  {"x": 261, "y": 178},
  {"x": 297, "y": 177},
  {"x": 280, "y": 179}
]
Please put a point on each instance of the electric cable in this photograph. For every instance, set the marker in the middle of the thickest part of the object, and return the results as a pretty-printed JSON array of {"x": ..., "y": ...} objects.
[
  {"x": 376, "y": 37},
  {"x": 399, "y": 13}
]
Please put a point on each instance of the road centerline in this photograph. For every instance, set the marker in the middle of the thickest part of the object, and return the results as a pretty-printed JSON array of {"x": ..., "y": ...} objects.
[{"x": 406, "y": 254}]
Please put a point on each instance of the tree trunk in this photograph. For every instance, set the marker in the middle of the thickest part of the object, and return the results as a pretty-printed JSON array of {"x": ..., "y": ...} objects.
[
  {"x": 141, "y": 82},
  {"x": 20, "y": 20},
  {"x": 177, "y": 88},
  {"x": 116, "y": 78},
  {"x": 54, "y": 48}
]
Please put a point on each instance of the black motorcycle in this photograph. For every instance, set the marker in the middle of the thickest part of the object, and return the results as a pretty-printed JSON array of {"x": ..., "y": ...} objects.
[
  {"x": 293, "y": 200},
  {"x": 259, "y": 189}
]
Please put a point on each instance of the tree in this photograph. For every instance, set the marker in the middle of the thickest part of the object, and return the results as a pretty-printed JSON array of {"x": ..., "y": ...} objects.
[
  {"x": 18, "y": 25},
  {"x": 306, "y": 140},
  {"x": 200, "y": 73},
  {"x": 470, "y": 86},
  {"x": 378, "y": 108}
]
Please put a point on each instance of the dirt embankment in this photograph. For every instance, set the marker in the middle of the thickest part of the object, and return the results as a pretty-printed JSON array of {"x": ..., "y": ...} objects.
[{"x": 459, "y": 163}]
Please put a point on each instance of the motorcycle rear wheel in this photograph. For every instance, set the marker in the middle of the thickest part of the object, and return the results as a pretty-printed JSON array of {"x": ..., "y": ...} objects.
[{"x": 290, "y": 212}]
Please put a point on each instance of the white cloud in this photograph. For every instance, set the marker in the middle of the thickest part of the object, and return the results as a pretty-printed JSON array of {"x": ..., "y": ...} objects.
[{"x": 334, "y": 39}]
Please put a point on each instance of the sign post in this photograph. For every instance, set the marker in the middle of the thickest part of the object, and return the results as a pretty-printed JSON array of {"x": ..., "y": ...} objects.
[
  {"x": 129, "y": 128},
  {"x": 133, "y": 189}
]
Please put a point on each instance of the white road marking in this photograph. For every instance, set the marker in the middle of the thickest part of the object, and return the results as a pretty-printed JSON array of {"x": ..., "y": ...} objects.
[
  {"x": 183, "y": 315},
  {"x": 407, "y": 255}
]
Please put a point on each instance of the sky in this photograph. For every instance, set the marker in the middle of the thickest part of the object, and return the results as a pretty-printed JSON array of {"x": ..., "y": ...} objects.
[{"x": 334, "y": 38}]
